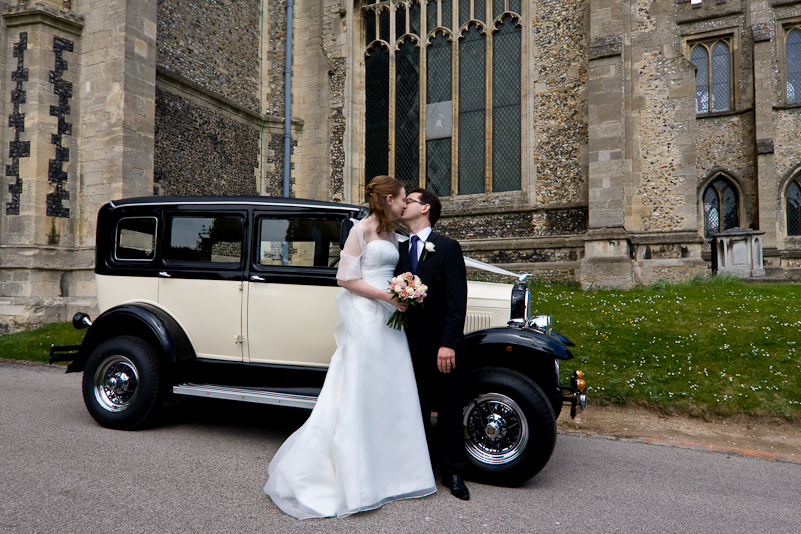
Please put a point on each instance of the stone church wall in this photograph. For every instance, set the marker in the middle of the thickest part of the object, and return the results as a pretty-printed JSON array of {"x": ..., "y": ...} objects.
[{"x": 726, "y": 144}]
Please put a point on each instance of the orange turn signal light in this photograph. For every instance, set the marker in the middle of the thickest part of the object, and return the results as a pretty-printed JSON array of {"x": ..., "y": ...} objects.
[
  {"x": 581, "y": 385},
  {"x": 579, "y": 374}
]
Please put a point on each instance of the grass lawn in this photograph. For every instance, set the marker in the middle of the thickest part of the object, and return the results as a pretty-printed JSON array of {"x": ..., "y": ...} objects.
[
  {"x": 34, "y": 345},
  {"x": 718, "y": 345}
]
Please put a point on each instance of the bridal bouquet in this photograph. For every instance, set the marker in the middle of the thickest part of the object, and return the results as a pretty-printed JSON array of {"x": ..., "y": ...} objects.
[{"x": 405, "y": 287}]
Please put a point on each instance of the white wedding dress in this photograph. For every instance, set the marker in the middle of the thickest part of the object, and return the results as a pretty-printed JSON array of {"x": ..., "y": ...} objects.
[{"x": 364, "y": 444}]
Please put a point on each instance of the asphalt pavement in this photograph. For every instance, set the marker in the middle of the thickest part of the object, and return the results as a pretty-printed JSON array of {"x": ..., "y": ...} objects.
[{"x": 202, "y": 469}]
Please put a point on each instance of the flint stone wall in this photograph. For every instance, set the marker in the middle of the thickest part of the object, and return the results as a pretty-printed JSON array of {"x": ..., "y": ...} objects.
[
  {"x": 200, "y": 151},
  {"x": 215, "y": 44},
  {"x": 559, "y": 86}
]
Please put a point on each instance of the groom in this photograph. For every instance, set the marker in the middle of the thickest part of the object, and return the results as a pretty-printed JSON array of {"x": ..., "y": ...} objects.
[{"x": 436, "y": 333}]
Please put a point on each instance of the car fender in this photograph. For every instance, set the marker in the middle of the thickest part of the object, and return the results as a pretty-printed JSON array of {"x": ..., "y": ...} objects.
[
  {"x": 142, "y": 319},
  {"x": 511, "y": 345}
]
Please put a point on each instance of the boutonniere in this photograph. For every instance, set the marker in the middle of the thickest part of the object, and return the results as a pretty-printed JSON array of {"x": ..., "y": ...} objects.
[{"x": 429, "y": 248}]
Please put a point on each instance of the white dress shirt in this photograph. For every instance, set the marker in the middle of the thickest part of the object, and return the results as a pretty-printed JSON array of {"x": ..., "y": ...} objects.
[{"x": 422, "y": 235}]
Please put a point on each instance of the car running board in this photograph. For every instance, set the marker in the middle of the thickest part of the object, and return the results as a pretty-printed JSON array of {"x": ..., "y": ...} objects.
[{"x": 247, "y": 395}]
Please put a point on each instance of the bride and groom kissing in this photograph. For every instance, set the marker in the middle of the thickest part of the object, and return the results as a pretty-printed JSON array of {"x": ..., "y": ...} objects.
[{"x": 369, "y": 439}]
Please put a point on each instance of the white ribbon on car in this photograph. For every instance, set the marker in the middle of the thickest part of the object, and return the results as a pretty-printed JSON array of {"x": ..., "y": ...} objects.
[{"x": 491, "y": 268}]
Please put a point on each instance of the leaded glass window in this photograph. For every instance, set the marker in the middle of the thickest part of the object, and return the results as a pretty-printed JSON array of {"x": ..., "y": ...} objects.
[
  {"x": 794, "y": 208},
  {"x": 480, "y": 9},
  {"x": 447, "y": 13},
  {"x": 400, "y": 21},
  {"x": 712, "y": 60},
  {"x": 369, "y": 25},
  {"x": 464, "y": 12},
  {"x": 700, "y": 58},
  {"x": 792, "y": 59},
  {"x": 377, "y": 113},
  {"x": 439, "y": 106},
  {"x": 431, "y": 15},
  {"x": 414, "y": 18},
  {"x": 721, "y": 207},
  {"x": 407, "y": 113},
  {"x": 384, "y": 24},
  {"x": 498, "y": 7},
  {"x": 451, "y": 97},
  {"x": 506, "y": 106},
  {"x": 472, "y": 107}
]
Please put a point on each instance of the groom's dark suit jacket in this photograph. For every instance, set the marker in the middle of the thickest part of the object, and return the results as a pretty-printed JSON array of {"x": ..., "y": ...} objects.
[{"x": 439, "y": 323}]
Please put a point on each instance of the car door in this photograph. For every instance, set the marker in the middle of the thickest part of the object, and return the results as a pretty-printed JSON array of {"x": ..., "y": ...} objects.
[
  {"x": 291, "y": 308},
  {"x": 201, "y": 283}
]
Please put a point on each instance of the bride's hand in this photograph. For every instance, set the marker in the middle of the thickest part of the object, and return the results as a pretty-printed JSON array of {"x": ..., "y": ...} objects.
[{"x": 401, "y": 306}]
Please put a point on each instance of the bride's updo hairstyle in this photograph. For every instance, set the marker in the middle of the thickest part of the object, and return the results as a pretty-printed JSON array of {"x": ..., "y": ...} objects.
[{"x": 376, "y": 197}]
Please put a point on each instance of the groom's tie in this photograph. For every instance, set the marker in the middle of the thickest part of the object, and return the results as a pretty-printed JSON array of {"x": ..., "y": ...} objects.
[{"x": 413, "y": 257}]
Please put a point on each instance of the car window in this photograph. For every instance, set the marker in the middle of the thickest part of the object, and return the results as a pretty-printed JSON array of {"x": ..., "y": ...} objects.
[
  {"x": 298, "y": 242},
  {"x": 205, "y": 239},
  {"x": 136, "y": 239}
]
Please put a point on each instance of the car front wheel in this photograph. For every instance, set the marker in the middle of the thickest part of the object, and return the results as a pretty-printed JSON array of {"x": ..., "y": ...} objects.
[
  {"x": 121, "y": 386},
  {"x": 510, "y": 428}
]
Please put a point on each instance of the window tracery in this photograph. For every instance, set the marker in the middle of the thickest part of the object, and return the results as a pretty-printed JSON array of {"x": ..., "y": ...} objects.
[{"x": 443, "y": 93}]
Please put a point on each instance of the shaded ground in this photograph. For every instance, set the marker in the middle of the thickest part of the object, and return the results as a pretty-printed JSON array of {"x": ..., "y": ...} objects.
[{"x": 773, "y": 435}]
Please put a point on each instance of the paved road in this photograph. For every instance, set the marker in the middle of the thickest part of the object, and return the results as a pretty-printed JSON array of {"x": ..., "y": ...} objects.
[{"x": 203, "y": 467}]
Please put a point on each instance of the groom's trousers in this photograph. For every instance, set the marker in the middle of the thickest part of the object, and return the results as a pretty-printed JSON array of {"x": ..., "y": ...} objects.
[{"x": 442, "y": 393}]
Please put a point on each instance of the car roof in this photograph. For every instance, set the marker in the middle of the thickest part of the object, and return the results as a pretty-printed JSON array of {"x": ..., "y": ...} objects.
[{"x": 231, "y": 200}]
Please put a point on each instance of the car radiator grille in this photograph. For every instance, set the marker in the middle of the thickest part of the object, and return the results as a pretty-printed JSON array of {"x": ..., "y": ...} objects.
[{"x": 477, "y": 321}]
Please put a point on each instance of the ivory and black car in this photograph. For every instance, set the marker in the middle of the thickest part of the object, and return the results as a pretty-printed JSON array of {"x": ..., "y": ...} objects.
[{"x": 233, "y": 298}]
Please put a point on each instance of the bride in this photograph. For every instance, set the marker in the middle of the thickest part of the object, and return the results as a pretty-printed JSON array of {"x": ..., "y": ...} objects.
[{"x": 363, "y": 444}]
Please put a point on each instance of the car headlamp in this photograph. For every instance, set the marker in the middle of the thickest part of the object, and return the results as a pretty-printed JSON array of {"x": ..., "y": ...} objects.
[{"x": 540, "y": 323}]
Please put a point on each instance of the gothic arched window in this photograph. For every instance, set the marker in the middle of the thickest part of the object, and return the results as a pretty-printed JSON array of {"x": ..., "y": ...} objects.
[
  {"x": 792, "y": 58},
  {"x": 713, "y": 75},
  {"x": 443, "y": 93},
  {"x": 721, "y": 207},
  {"x": 794, "y": 207}
]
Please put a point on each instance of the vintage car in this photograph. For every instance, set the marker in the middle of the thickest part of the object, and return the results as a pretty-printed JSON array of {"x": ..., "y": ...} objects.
[{"x": 233, "y": 298}]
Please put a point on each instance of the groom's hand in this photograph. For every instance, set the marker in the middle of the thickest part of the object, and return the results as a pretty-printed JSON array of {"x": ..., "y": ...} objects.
[{"x": 446, "y": 359}]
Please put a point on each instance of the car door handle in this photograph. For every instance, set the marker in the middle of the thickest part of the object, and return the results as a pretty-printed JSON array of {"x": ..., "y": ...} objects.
[
  {"x": 165, "y": 274},
  {"x": 256, "y": 278}
]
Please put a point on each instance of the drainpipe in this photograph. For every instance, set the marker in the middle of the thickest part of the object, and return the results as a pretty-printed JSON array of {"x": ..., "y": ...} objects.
[{"x": 288, "y": 96}]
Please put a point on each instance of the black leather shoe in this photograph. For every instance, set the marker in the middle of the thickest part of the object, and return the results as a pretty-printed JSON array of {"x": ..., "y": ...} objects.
[{"x": 458, "y": 488}]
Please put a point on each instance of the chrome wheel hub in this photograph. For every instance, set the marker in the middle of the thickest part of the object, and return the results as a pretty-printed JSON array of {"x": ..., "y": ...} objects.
[
  {"x": 116, "y": 383},
  {"x": 496, "y": 429}
]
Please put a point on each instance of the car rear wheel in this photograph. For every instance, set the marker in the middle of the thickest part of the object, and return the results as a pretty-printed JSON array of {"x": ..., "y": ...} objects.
[
  {"x": 121, "y": 383},
  {"x": 510, "y": 428}
]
